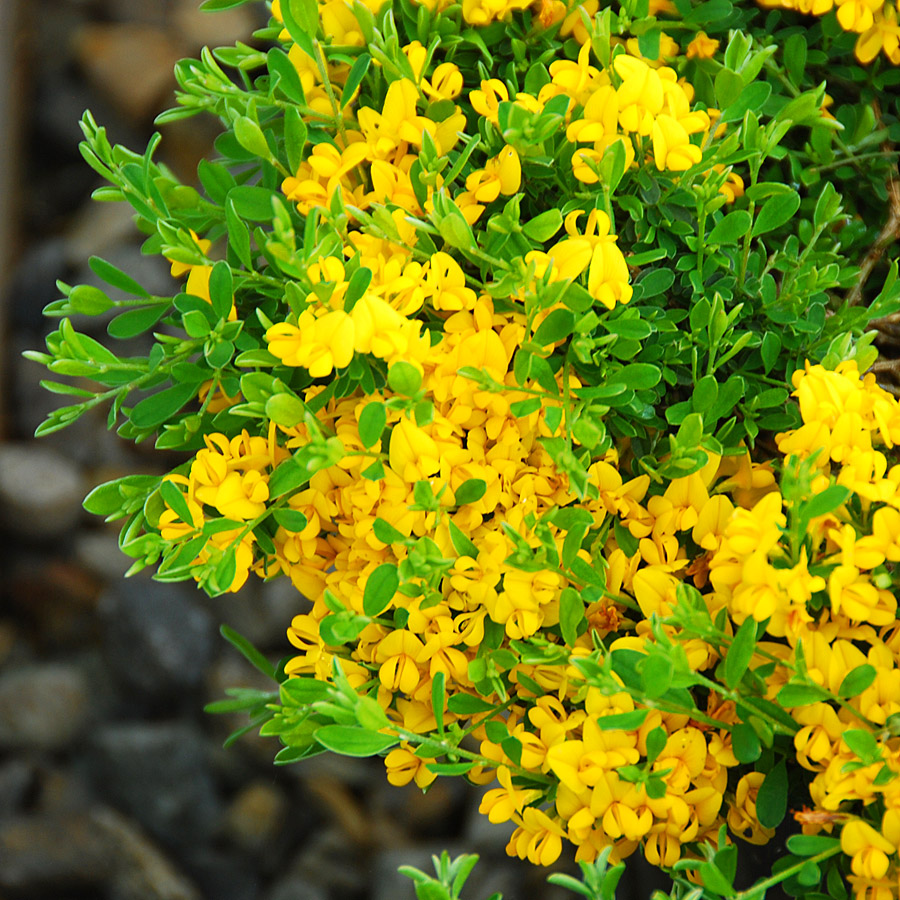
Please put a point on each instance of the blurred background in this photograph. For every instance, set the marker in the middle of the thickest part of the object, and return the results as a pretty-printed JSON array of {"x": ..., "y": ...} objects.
[{"x": 113, "y": 782}]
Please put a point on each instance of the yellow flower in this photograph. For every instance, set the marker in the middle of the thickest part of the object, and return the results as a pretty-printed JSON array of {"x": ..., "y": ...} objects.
[
  {"x": 672, "y": 147},
  {"x": 869, "y": 849},
  {"x": 702, "y": 47},
  {"x": 413, "y": 453},
  {"x": 884, "y": 35},
  {"x": 403, "y": 766},
  {"x": 318, "y": 343},
  {"x": 857, "y": 15},
  {"x": 178, "y": 269}
]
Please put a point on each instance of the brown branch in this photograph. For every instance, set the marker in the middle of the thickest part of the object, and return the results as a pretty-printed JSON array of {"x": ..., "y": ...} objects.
[{"x": 889, "y": 234}]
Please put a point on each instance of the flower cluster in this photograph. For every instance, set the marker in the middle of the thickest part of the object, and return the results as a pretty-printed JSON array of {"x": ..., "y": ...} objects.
[
  {"x": 479, "y": 343},
  {"x": 875, "y": 21}
]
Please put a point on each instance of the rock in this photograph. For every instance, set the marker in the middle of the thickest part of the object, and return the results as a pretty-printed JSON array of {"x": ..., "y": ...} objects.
[
  {"x": 158, "y": 638},
  {"x": 42, "y": 706},
  {"x": 51, "y": 853},
  {"x": 224, "y": 875},
  {"x": 295, "y": 887},
  {"x": 140, "y": 871},
  {"x": 261, "y": 612},
  {"x": 158, "y": 773},
  {"x": 16, "y": 778},
  {"x": 128, "y": 63},
  {"x": 330, "y": 862},
  {"x": 33, "y": 284},
  {"x": 200, "y": 29},
  {"x": 255, "y": 816},
  {"x": 99, "y": 553},
  {"x": 40, "y": 491},
  {"x": 97, "y": 229}
]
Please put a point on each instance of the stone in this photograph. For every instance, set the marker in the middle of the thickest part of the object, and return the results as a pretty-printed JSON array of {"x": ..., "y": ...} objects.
[
  {"x": 158, "y": 638},
  {"x": 200, "y": 29},
  {"x": 159, "y": 774},
  {"x": 255, "y": 816},
  {"x": 295, "y": 887},
  {"x": 45, "y": 854},
  {"x": 97, "y": 229},
  {"x": 140, "y": 870},
  {"x": 42, "y": 706},
  {"x": 40, "y": 491},
  {"x": 129, "y": 63},
  {"x": 331, "y": 862},
  {"x": 99, "y": 553},
  {"x": 261, "y": 612},
  {"x": 223, "y": 874},
  {"x": 49, "y": 853},
  {"x": 16, "y": 779}
]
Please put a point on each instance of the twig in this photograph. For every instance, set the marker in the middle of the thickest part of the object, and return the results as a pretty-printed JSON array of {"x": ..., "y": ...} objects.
[{"x": 889, "y": 234}]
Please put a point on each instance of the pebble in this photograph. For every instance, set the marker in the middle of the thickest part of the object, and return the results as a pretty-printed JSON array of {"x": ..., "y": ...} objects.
[
  {"x": 158, "y": 638},
  {"x": 53, "y": 853},
  {"x": 130, "y": 64},
  {"x": 42, "y": 706},
  {"x": 158, "y": 773},
  {"x": 255, "y": 816},
  {"x": 40, "y": 491}
]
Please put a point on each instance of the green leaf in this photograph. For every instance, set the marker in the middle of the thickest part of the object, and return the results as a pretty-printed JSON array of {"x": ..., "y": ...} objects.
[
  {"x": 176, "y": 501},
  {"x": 461, "y": 544},
  {"x": 215, "y": 5},
  {"x": 280, "y": 66},
  {"x": 251, "y": 202},
  {"x": 771, "y": 799},
  {"x": 88, "y": 300},
  {"x": 745, "y": 743},
  {"x": 712, "y": 878},
  {"x": 381, "y": 586},
  {"x": 556, "y": 327},
  {"x": 628, "y": 721},
  {"x": 542, "y": 227},
  {"x": 827, "y": 501},
  {"x": 731, "y": 228},
  {"x": 470, "y": 491},
  {"x": 386, "y": 533},
  {"x": 238, "y": 235},
  {"x": 152, "y": 411},
  {"x": 775, "y": 212},
  {"x": 355, "y": 77},
  {"x": 728, "y": 88},
  {"x": 136, "y": 321},
  {"x": 290, "y": 519},
  {"x": 249, "y": 135},
  {"x": 800, "y": 695},
  {"x": 863, "y": 744},
  {"x": 522, "y": 408},
  {"x": 738, "y": 655},
  {"x": 468, "y": 705},
  {"x": 794, "y": 57},
  {"x": 571, "y": 615},
  {"x": 637, "y": 376},
  {"x": 856, "y": 681},
  {"x": 404, "y": 378},
  {"x": 116, "y": 277},
  {"x": 351, "y": 740},
  {"x": 372, "y": 420},
  {"x": 221, "y": 289},
  {"x": 285, "y": 409},
  {"x": 656, "y": 675},
  {"x": 811, "y": 844},
  {"x": 248, "y": 651},
  {"x": 751, "y": 97}
]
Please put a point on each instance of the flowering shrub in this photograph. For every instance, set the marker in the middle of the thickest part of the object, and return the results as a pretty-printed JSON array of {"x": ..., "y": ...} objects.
[{"x": 489, "y": 322}]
